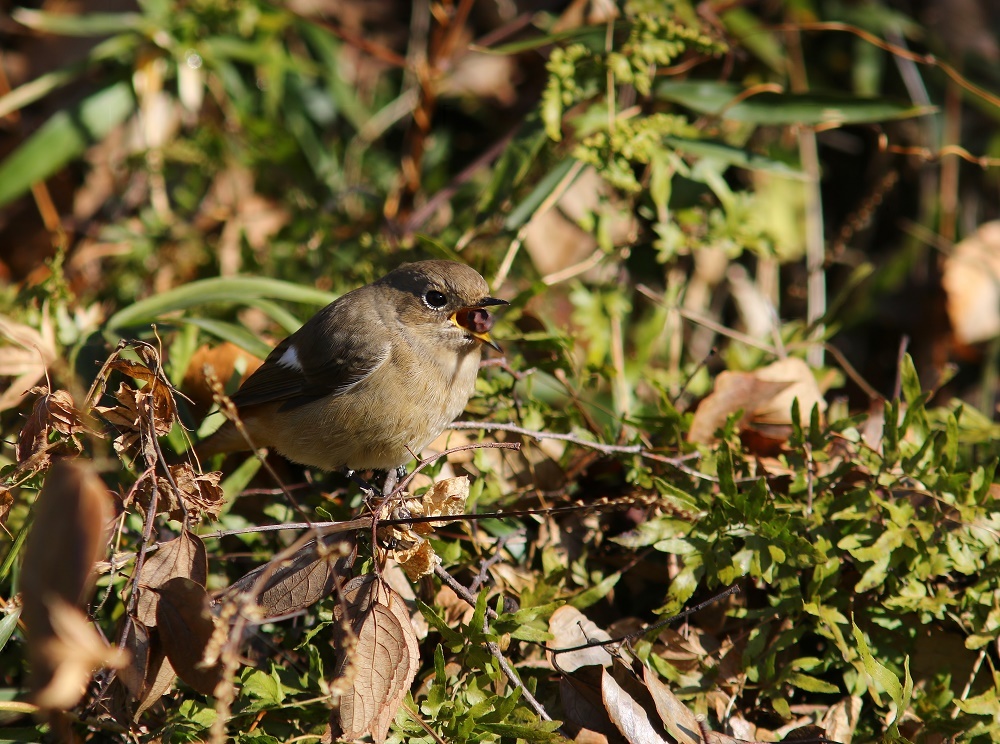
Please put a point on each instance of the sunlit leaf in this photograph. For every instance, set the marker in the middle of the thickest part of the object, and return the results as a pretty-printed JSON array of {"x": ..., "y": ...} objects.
[{"x": 62, "y": 138}]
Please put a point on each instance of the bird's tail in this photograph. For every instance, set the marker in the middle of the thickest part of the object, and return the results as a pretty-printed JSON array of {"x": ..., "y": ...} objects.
[{"x": 226, "y": 438}]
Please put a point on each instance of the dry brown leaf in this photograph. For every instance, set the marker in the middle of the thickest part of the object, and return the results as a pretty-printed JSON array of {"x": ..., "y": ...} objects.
[
  {"x": 765, "y": 397},
  {"x": 841, "y": 719},
  {"x": 558, "y": 246},
  {"x": 224, "y": 360},
  {"x": 418, "y": 560},
  {"x": 971, "y": 280},
  {"x": 714, "y": 737},
  {"x": 734, "y": 391},
  {"x": 580, "y": 694},
  {"x": 6, "y": 502},
  {"x": 301, "y": 581},
  {"x": 133, "y": 674},
  {"x": 777, "y": 410},
  {"x": 53, "y": 411},
  {"x": 481, "y": 75},
  {"x": 382, "y": 664},
  {"x": 445, "y": 498},
  {"x": 580, "y": 690},
  {"x": 569, "y": 628},
  {"x": 683, "y": 653},
  {"x": 68, "y": 536},
  {"x": 183, "y": 556},
  {"x": 681, "y": 723},
  {"x": 414, "y": 554},
  {"x": 160, "y": 675},
  {"x": 138, "y": 408},
  {"x": 63, "y": 658},
  {"x": 27, "y": 357},
  {"x": 186, "y": 627},
  {"x": 628, "y": 705},
  {"x": 394, "y": 576},
  {"x": 453, "y": 608},
  {"x": 197, "y": 495}
]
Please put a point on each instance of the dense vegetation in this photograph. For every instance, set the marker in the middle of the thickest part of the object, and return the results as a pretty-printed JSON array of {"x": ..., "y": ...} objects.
[{"x": 753, "y": 343}]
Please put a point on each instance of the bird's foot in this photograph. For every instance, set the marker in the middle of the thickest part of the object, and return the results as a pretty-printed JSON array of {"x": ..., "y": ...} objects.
[{"x": 392, "y": 478}]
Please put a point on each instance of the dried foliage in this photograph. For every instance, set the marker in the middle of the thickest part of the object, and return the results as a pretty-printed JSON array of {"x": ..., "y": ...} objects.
[
  {"x": 377, "y": 659},
  {"x": 67, "y": 537},
  {"x": 746, "y": 350}
]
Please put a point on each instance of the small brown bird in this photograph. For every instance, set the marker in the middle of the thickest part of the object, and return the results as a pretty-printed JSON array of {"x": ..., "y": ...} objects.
[{"x": 372, "y": 378}]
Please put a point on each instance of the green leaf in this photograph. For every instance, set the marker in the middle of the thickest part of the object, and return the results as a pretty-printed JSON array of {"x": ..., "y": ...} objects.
[
  {"x": 265, "y": 687},
  {"x": 72, "y": 24},
  {"x": 37, "y": 89},
  {"x": 883, "y": 678},
  {"x": 14, "y": 550},
  {"x": 595, "y": 593},
  {"x": 233, "y": 289},
  {"x": 7, "y": 625},
  {"x": 778, "y": 109},
  {"x": 727, "y": 477},
  {"x": 756, "y": 38},
  {"x": 591, "y": 36},
  {"x": 62, "y": 138},
  {"x": 526, "y": 209},
  {"x": 734, "y": 156},
  {"x": 811, "y": 684},
  {"x": 233, "y": 333},
  {"x": 910, "y": 380}
]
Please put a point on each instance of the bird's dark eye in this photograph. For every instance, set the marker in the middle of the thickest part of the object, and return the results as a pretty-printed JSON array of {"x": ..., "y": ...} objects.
[{"x": 434, "y": 299}]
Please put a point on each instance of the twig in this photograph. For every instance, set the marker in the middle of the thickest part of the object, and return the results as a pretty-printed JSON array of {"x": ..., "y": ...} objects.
[
  {"x": 495, "y": 558},
  {"x": 492, "y": 647},
  {"x": 421, "y": 215},
  {"x": 401, "y": 486},
  {"x": 849, "y": 370},
  {"x": 709, "y": 323},
  {"x": 545, "y": 206},
  {"x": 649, "y": 628},
  {"x": 610, "y": 449}
]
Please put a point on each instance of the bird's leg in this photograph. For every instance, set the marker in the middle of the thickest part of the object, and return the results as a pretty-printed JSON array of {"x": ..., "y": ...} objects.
[{"x": 392, "y": 477}]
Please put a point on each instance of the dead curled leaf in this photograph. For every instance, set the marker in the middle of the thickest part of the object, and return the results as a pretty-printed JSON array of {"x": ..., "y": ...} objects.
[
  {"x": 627, "y": 702},
  {"x": 26, "y": 357},
  {"x": 187, "y": 628},
  {"x": 53, "y": 411},
  {"x": 299, "y": 582},
  {"x": 149, "y": 409},
  {"x": 183, "y": 556},
  {"x": 63, "y": 658},
  {"x": 598, "y": 690},
  {"x": 197, "y": 495},
  {"x": 765, "y": 397},
  {"x": 971, "y": 280},
  {"x": 133, "y": 674},
  {"x": 374, "y": 673},
  {"x": 67, "y": 538},
  {"x": 414, "y": 554},
  {"x": 145, "y": 679},
  {"x": 6, "y": 502}
]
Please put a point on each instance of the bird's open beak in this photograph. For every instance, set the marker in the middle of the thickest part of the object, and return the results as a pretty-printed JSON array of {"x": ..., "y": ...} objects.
[{"x": 477, "y": 321}]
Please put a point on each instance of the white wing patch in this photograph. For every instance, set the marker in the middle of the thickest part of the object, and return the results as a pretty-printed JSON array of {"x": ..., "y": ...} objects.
[{"x": 290, "y": 359}]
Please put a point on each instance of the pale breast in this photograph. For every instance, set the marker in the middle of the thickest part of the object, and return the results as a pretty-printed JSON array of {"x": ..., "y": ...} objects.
[{"x": 399, "y": 409}]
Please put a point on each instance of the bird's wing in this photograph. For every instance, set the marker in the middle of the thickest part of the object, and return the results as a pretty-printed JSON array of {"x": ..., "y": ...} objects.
[{"x": 329, "y": 355}]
